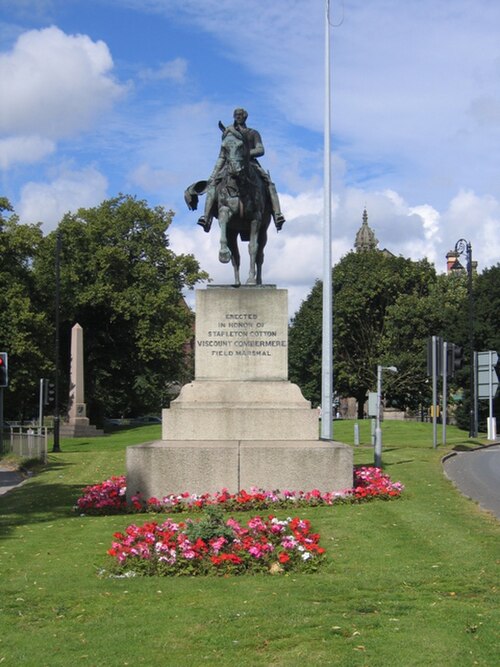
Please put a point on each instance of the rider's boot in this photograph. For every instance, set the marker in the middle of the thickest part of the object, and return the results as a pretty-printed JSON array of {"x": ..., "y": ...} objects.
[
  {"x": 205, "y": 220},
  {"x": 279, "y": 218}
]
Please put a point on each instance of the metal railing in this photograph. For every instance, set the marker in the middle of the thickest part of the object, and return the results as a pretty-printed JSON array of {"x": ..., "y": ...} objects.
[{"x": 29, "y": 442}]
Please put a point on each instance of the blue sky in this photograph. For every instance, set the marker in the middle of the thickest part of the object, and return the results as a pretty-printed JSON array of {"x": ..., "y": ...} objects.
[{"x": 108, "y": 96}]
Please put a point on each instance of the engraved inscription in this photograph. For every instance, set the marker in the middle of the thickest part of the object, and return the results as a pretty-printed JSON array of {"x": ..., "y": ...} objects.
[{"x": 241, "y": 335}]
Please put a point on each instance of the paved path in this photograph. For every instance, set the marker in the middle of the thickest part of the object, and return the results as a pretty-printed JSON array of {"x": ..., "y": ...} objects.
[
  {"x": 477, "y": 475},
  {"x": 9, "y": 479}
]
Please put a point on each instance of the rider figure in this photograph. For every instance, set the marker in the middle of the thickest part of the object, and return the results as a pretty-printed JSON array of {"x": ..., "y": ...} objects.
[{"x": 254, "y": 142}]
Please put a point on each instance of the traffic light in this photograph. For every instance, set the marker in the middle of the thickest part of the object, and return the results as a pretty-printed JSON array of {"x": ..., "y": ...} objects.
[
  {"x": 48, "y": 392},
  {"x": 455, "y": 358},
  {"x": 4, "y": 369}
]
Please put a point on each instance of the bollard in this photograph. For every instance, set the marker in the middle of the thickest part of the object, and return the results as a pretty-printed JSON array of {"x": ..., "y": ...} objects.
[
  {"x": 356, "y": 434},
  {"x": 378, "y": 448}
]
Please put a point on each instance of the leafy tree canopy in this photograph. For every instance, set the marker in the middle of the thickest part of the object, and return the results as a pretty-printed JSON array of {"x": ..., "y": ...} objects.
[
  {"x": 372, "y": 291},
  {"x": 24, "y": 326},
  {"x": 121, "y": 282}
]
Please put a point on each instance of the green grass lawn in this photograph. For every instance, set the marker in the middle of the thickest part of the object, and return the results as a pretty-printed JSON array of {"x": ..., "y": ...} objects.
[{"x": 407, "y": 582}]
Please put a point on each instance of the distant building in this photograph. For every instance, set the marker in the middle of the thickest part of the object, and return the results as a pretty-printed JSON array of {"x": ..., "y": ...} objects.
[
  {"x": 454, "y": 266},
  {"x": 365, "y": 238}
]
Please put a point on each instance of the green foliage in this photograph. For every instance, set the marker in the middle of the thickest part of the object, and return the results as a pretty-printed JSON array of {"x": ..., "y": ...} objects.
[
  {"x": 486, "y": 309},
  {"x": 486, "y": 299},
  {"x": 385, "y": 309},
  {"x": 211, "y": 525},
  {"x": 304, "y": 345},
  {"x": 410, "y": 320},
  {"x": 122, "y": 283},
  {"x": 374, "y": 294},
  {"x": 366, "y": 285},
  {"x": 413, "y": 582},
  {"x": 25, "y": 331}
]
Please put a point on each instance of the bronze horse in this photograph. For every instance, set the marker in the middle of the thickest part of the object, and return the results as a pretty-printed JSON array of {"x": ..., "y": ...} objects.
[{"x": 242, "y": 206}]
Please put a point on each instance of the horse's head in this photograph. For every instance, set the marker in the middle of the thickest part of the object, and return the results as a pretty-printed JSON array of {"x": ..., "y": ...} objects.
[{"x": 235, "y": 153}]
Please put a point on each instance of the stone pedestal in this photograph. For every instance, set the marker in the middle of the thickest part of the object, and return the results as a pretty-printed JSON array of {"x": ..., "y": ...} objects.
[
  {"x": 241, "y": 423},
  {"x": 79, "y": 429}
]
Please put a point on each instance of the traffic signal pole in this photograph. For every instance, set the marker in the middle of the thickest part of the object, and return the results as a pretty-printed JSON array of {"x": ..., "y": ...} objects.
[
  {"x": 434, "y": 390},
  {"x": 1, "y": 421},
  {"x": 444, "y": 416},
  {"x": 4, "y": 382},
  {"x": 40, "y": 404}
]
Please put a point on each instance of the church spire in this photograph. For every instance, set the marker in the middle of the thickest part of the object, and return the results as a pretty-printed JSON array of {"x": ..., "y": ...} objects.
[{"x": 365, "y": 237}]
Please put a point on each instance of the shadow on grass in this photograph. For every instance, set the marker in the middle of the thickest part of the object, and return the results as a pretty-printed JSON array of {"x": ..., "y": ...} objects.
[
  {"x": 37, "y": 501},
  {"x": 397, "y": 463}
]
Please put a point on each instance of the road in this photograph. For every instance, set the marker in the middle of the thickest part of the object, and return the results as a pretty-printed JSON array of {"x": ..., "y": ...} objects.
[
  {"x": 9, "y": 479},
  {"x": 477, "y": 475}
]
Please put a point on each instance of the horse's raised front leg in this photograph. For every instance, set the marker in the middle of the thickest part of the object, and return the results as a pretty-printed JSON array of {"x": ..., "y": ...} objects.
[
  {"x": 252, "y": 251},
  {"x": 224, "y": 252}
]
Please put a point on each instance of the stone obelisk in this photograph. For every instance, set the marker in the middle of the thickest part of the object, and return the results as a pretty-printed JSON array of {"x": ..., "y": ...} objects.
[{"x": 78, "y": 424}]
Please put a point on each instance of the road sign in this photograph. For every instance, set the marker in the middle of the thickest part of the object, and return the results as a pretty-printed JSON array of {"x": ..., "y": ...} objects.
[
  {"x": 486, "y": 369},
  {"x": 372, "y": 403}
]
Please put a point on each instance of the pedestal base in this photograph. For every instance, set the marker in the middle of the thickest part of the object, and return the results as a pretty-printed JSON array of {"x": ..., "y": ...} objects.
[
  {"x": 241, "y": 423},
  {"x": 161, "y": 468},
  {"x": 217, "y": 410},
  {"x": 79, "y": 430}
]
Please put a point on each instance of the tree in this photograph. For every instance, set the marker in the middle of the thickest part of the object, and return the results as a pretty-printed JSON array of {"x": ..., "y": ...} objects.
[
  {"x": 486, "y": 295},
  {"x": 25, "y": 332},
  {"x": 304, "y": 345},
  {"x": 123, "y": 284},
  {"x": 410, "y": 321},
  {"x": 365, "y": 286}
]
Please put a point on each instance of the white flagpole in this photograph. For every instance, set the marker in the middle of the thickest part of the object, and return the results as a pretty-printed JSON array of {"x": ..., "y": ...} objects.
[{"x": 327, "y": 340}]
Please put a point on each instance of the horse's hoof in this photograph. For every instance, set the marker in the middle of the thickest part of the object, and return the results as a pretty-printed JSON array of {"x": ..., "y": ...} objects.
[
  {"x": 251, "y": 281},
  {"x": 225, "y": 256}
]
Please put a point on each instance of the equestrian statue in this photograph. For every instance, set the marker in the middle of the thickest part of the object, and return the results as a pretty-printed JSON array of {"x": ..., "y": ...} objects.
[{"x": 241, "y": 195}]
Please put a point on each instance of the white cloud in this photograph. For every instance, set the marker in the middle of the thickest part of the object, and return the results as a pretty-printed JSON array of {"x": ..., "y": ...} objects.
[
  {"x": 304, "y": 204},
  {"x": 15, "y": 150},
  {"x": 174, "y": 70},
  {"x": 181, "y": 146},
  {"x": 477, "y": 219},
  {"x": 415, "y": 112},
  {"x": 294, "y": 257},
  {"x": 48, "y": 202},
  {"x": 54, "y": 85},
  {"x": 151, "y": 180},
  {"x": 415, "y": 100}
]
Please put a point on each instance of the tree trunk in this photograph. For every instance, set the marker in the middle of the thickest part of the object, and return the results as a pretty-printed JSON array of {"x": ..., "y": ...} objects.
[{"x": 361, "y": 399}]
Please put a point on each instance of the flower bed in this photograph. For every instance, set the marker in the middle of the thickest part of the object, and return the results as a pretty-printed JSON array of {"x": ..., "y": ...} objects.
[
  {"x": 110, "y": 496},
  {"x": 212, "y": 546}
]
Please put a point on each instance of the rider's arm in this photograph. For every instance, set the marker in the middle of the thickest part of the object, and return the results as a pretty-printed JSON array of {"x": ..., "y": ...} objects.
[
  {"x": 217, "y": 167},
  {"x": 258, "y": 146}
]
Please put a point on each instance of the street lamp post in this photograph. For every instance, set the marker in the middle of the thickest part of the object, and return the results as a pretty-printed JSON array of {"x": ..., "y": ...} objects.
[
  {"x": 327, "y": 322},
  {"x": 463, "y": 247},
  {"x": 378, "y": 429},
  {"x": 56, "y": 447}
]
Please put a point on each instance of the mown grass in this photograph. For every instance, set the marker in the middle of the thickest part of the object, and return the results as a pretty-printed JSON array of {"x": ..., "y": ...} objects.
[{"x": 407, "y": 582}]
